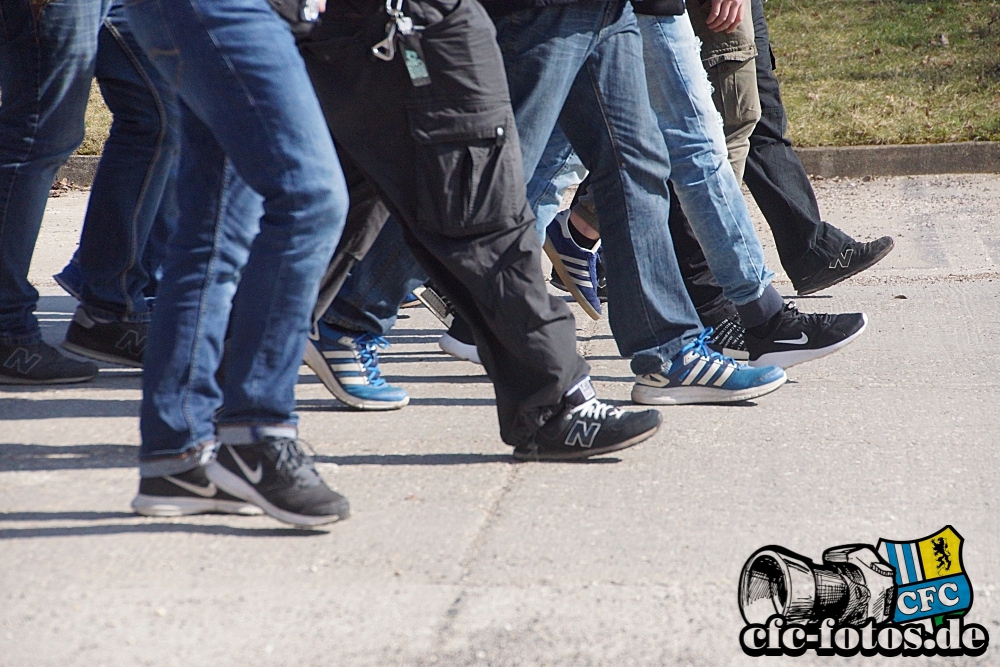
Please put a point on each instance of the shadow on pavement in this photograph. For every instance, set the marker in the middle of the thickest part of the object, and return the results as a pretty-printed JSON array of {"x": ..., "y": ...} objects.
[
  {"x": 55, "y": 408},
  {"x": 119, "y": 529},
  {"x": 72, "y": 457}
]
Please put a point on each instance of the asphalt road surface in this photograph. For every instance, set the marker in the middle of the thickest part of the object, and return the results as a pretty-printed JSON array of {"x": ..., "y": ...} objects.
[{"x": 455, "y": 555}]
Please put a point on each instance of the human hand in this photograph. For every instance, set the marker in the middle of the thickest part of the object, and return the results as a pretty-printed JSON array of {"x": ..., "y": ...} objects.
[{"x": 725, "y": 15}]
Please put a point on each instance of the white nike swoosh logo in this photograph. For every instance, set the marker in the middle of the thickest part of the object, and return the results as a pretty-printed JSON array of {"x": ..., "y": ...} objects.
[
  {"x": 801, "y": 340},
  {"x": 203, "y": 491},
  {"x": 253, "y": 475}
]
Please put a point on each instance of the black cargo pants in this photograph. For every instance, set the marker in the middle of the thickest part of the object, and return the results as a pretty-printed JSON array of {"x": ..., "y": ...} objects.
[{"x": 445, "y": 158}]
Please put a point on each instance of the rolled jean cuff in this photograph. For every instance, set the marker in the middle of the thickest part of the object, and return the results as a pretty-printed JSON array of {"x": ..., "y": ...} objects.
[
  {"x": 200, "y": 454},
  {"x": 249, "y": 434},
  {"x": 761, "y": 309},
  {"x": 659, "y": 359}
]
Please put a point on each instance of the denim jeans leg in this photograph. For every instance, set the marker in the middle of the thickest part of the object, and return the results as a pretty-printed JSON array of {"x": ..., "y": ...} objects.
[
  {"x": 558, "y": 169},
  {"x": 370, "y": 298},
  {"x": 132, "y": 175},
  {"x": 588, "y": 57},
  {"x": 778, "y": 182},
  {"x": 253, "y": 127},
  {"x": 701, "y": 173},
  {"x": 46, "y": 68}
]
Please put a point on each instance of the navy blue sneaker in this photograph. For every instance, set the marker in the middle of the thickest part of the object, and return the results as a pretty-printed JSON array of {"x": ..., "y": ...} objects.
[
  {"x": 347, "y": 364},
  {"x": 698, "y": 374},
  {"x": 71, "y": 279},
  {"x": 576, "y": 266}
]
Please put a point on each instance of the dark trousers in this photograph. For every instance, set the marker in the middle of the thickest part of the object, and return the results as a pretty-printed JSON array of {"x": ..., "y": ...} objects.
[
  {"x": 781, "y": 188},
  {"x": 445, "y": 158}
]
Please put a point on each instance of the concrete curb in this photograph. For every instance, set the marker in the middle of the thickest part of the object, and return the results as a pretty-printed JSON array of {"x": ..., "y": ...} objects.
[{"x": 973, "y": 157}]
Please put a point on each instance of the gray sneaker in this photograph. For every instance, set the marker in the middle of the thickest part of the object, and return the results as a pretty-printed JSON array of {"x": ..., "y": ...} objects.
[{"x": 40, "y": 363}]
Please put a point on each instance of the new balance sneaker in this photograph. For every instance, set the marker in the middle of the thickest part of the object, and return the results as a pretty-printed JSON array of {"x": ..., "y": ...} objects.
[
  {"x": 586, "y": 427},
  {"x": 71, "y": 279},
  {"x": 576, "y": 266},
  {"x": 189, "y": 492},
  {"x": 347, "y": 364},
  {"x": 795, "y": 338},
  {"x": 854, "y": 259},
  {"x": 700, "y": 375},
  {"x": 105, "y": 339},
  {"x": 728, "y": 339},
  {"x": 275, "y": 474},
  {"x": 40, "y": 363},
  {"x": 459, "y": 342}
]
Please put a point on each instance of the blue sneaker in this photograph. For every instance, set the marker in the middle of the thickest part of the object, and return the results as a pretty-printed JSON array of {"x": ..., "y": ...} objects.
[
  {"x": 347, "y": 364},
  {"x": 71, "y": 279},
  {"x": 576, "y": 266},
  {"x": 700, "y": 375}
]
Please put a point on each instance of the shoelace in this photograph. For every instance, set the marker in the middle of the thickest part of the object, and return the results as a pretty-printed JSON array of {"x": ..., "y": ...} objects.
[
  {"x": 700, "y": 347},
  {"x": 595, "y": 409},
  {"x": 368, "y": 346},
  {"x": 294, "y": 463}
]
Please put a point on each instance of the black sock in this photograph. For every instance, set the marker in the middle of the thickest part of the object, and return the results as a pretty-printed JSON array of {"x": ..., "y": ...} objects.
[
  {"x": 765, "y": 330},
  {"x": 580, "y": 239}
]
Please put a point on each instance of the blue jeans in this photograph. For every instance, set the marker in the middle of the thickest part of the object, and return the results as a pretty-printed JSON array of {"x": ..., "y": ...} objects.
[
  {"x": 132, "y": 189},
  {"x": 369, "y": 300},
  {"x": 263, "y": 205},
  {"x": 588, "y": 57},
  {"x": 46, "y": 68}
]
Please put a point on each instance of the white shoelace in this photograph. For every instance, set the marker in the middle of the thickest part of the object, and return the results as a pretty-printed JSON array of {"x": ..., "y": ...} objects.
[{"x": 594, "y": 409}]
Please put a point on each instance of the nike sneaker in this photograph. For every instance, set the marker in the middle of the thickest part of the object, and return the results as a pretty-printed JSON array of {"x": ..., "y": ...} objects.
[
  {"x": 40, "y": 363},
  {"x": 795, "y": 338},
  {"x": 728, "y": 339},
  {"x": 112, "y": 340},
  {"x": 576, "y": 266},
  {"x": 699, "y": 374},
  {"x": 186, "y": 493},
  {"x": 275, "y": 474},
  {"x": 459, "y": 342},
  {"x": 853, "y": 259},
  {"x": 347, "y": 364},
  {"x": 585, "y": 427}
]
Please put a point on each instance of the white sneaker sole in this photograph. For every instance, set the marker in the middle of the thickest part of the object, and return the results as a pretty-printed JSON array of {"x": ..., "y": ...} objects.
[
  {"x": 235, "y": 486},
  {"x": 646, "y": 395},
  {"x": 180, "y": 506},
  {"x": 458, "y": 349},
  {"x": 314, "y": 359},
  {"x": 790, "y": 358}
]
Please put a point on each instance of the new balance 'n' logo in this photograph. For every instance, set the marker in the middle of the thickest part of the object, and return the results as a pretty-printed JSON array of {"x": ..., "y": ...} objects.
[
  {"x": 132, "y": 343},
  {"x": 844, "y": 260},
  {"x": 22, "y": 361},
  {"x": 582, "y": 433}
]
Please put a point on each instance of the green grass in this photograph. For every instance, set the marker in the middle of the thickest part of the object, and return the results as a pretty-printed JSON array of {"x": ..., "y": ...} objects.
[
  {"x": 888, "y": 71},
  {"x": 858, "y": 72}
]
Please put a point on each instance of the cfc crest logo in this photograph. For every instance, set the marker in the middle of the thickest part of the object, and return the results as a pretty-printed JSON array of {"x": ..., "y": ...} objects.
[{"x": 898, "y": 598}]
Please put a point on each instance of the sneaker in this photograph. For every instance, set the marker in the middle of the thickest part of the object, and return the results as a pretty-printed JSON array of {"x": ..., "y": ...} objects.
[
  {"x": 277, "y": 476},
  {"x": 436, "y": 302},
  {"x": 105, "y": 339},
  {"x": 586, "y": 427},
  {"x": 348, "y": 365},
  {"x": 459, "y": 342},
  {"x": 410, "y": 301},
  {"x": 700, "y": 375},
  {"x": 71, "y": 279},
  {"x": 575, "y": 266},
  {"x": 855, "y": 258},
  {"x": 40, "y": 363},
  {"x": 602, "y": 283},
  {"x": 727, "y": 339},
  {"x": 796, "y": 338},
  {"x": 189, "y": 492}
]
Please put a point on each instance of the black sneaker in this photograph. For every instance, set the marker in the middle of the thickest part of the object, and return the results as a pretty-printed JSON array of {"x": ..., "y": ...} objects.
[
  {"x": 586, "y": 427},
  {"x": 110, "y": 340},
  {"x": 459, "y": 342},
  {"x": 795, "y": 338},
  {"x": 189, "y": 492},
  {"x": 728, "y": 339},
  {"x": 855, "y": 258},
  {"x": 277, "y": 476},
  {"x": 40, "y": 363}
]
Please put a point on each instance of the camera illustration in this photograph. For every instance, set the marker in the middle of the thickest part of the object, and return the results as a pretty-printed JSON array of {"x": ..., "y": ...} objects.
[{"x": 852, "y": 586}]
